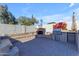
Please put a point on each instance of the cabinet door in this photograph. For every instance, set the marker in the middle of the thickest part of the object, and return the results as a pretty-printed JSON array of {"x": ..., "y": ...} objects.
[
  {"x": 71, "y": 37},
  {"x": 57, "y": 37}
]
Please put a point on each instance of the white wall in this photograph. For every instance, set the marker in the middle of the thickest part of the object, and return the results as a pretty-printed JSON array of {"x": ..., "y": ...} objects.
[
  {"x": 48, "y": 27},
  {"x": 11, "y": 29}
]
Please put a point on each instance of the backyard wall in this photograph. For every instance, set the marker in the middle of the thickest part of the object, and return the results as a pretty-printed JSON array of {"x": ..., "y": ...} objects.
[{"x": 6, "y": 29}]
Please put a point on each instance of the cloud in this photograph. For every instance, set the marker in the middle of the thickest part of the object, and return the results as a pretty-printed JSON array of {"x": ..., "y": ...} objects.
[
  {"x": 71, "y": 4},
  {"x": 56, "y": 18},
  {"x": 52, "y": 18}
]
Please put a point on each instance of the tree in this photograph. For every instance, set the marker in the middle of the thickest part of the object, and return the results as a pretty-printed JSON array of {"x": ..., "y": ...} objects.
[
  {"x": 6, "y": 17},
  {"x": 60, "y": 25},
  {"x": 51, "y": 22},
  {"x": 23, "y": 20},
  {"x": 33, "y": 20},
  {"x": 12, "y": 19}
]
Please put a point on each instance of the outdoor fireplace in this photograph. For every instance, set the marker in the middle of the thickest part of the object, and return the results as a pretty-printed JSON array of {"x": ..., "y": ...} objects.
[{"x": 40, "y": 32}]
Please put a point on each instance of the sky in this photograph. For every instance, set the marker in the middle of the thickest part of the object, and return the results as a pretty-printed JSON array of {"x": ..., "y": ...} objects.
[{"x": 48, "y": 12}]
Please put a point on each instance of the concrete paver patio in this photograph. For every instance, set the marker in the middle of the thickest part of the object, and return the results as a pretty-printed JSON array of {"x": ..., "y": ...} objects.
[{"x": 46, "y": 47}]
